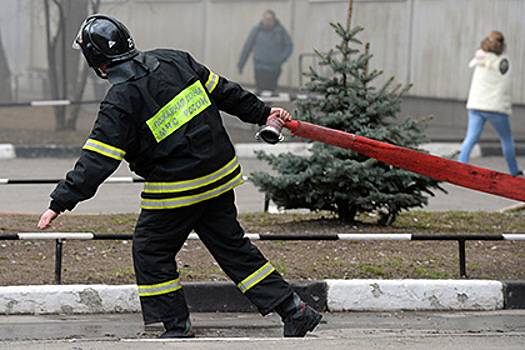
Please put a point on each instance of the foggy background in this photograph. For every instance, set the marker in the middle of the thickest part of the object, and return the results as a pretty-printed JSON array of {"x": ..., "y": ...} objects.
[{"x": 426, "y": 42}]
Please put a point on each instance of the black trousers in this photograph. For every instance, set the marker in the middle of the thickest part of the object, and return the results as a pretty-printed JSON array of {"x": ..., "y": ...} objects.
[
  {"x": 266, "y": 80},
  {"x": 160, "y": 234}
]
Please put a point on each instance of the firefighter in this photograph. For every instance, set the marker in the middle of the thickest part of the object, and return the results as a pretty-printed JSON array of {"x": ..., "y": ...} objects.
[{"x": 161, "y": 115}]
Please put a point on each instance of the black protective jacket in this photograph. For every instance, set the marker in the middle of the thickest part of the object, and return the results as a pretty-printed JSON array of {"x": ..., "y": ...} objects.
[{"x": 166, "y": 125}]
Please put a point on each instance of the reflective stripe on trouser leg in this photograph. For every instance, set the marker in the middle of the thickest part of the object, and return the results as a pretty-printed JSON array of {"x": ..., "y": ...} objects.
[
  {"x": 160, "y": 288},
  {"x": 223, "y": 236},
  {"x": 157, "y": 239},
  {"x": 256, "y": 277}
]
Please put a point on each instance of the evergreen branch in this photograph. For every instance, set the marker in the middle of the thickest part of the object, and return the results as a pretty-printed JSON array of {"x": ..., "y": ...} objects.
[
  {"x": 401, "y": 93},
  {"x": 339, "y": 29},
  {"x": 394, "y": 91},
  {"x": 369, "y": 57},
  {"x": 405, "y": 89},
  {"x": 375, "y": 73},
  {"x": 354, "y": 31},
  {"x": 386, "y": 86},
  {"x": 344, "y": 181}
]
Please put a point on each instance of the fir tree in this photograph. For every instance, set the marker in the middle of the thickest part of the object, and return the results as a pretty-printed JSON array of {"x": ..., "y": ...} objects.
[{"x": 339, "y": 180}]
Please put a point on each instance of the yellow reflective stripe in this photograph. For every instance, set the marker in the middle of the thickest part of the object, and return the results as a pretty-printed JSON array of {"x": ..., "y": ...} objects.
[
  {"x": 213, "y": 80},
  {"x": 104, "y": 149},
  {"x": 180, "y": 110},
  {"x": 256, "y": 277},
  {"x": 171, "y": 203},
  {"x": 160, "y": 288},
  {"x": 186, "y": 185}
]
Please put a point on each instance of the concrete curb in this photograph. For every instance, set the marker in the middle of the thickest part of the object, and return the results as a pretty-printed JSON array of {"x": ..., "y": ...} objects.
[
  {"x": 244, "y": 150},
  {"x": 7, "y": 151},
  {"x": 391, "y": 295},
  {"x": 331, "y": 295},
  {"x": 494, "y": 150},
  {"x": 68, "y": 299},
  {"x": 92, "y": 299},
  {"x": 51, "y": 151}
]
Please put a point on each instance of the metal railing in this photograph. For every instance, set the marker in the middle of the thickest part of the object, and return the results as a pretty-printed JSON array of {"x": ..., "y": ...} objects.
[
  {"x": 112, "y": 180},
  {"x": 60, "y": 237}
]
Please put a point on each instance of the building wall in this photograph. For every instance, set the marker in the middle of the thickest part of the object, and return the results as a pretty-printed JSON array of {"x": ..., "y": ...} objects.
[{"x": 425, "y": 42}]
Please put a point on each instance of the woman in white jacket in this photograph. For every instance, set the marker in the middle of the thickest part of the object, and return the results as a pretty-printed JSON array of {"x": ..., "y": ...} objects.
[{"x": 489, "y": 99}]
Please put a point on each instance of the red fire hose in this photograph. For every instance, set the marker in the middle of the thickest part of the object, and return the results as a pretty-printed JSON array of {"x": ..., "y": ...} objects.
[{"x": 438, "y": 168}]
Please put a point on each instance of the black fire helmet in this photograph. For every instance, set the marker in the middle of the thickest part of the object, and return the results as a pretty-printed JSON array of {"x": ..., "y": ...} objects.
[{"x": 104, "y": 40}]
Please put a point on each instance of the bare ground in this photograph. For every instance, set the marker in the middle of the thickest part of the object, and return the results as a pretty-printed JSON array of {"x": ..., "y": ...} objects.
[{"x": 31, "y": 262}]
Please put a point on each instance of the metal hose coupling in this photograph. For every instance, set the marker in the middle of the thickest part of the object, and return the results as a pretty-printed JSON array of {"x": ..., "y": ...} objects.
[{"x": 272, "y": 132}]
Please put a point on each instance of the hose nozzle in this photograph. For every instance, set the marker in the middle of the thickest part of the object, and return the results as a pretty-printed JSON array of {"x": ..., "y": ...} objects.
[{"x": 272, "y": 132}]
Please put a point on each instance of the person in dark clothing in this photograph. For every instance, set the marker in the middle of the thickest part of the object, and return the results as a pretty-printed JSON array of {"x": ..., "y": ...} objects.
[
  {"x": 272, "y": 46},
  {"x": 161, "y": 115}
]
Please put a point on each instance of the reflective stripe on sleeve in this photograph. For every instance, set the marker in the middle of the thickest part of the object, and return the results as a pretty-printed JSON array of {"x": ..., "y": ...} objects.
[
  {"x": 171, "y": 203},
  {"x": 256, "y": 277},
  {"x": 213, "y": 80},
  {"x": 159, "y": 289},
  {"x": 104, "y": 149},
  {"x": 181, "y": 186}
]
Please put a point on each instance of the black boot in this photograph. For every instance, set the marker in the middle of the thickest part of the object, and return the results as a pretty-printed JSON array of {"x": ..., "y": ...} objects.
[
  {"x": 177, "y": 329},
  {"x": 298, "y": 317}
]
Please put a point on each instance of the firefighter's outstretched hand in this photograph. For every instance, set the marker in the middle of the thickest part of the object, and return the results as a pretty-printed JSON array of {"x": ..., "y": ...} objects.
[
  {"x": 47, "y": 217},
  {"x": 281, "y": 113}
]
